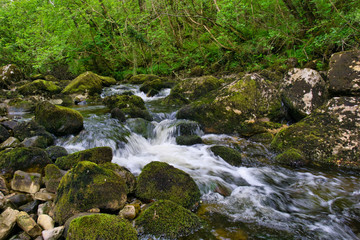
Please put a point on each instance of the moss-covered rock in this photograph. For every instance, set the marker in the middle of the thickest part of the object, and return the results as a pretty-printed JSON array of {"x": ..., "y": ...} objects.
[
  {"x": 55, "y": 152},
  {"x": 237, "y": 107},
  {"x": 230, "y": 155},
  {"x": 328, "y": 137},
  {"x": 39, "y": 87},
  {"x": 96, "y": 155},
  {"x": 153, "y": 87},
  {"x": 52, "y": 177},
  {"x": 302, "y": 91},
  {"x": 88, "y": 82},
  {"x": 188, "y": 140},
  {"x": 168, "y": 220},
  {"x": 101, "y": 226},
  {"x": 37, "y": 141},
  {"x": 58, "y": 120},
  {"x": 10, "y": 74},
  {"x": 31, "y": 129},
  {"x": 159, "y": 180},
  {"x": 126, "y": 175},
  {"x": 291, "y": 157},
  {"x": 25, "y": 159},
  {"x": 344, "y": 73},
  {"x": 141, "y": 78},
  {"x": 187, "y": 128},
  {"x": 118, "y": 114},
  {"x": 175, "y": 99},
  {"x": 88, "y": 186},
  {"x": 264, "y": 138}
]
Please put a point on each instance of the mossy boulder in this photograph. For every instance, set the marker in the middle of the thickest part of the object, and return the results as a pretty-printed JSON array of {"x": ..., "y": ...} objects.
[
  {"x": 165, "y": 219},
  {"x": 141, "y": 78},
  {"x": 118, "y": 114},
  {"x": 188, "y": 140},
  {"x": 229, "y": 155},
  {"x": 41, "y": 87},
  {"x": 175, "y": 99},
  {"x": 159, "y": 180},
  {"x": 187, "y": 128},
  {"x": 238, "y": 107},
  {"x": 96, "y": 155},
  {"x": 30, "y": 129},
  {"x": 344, "y": 73},
  {"x": 153, "y": 87},
  {"x": 101, "y": 226},
  {"x": 291, "y": 157},
  {"x": 88, "y": 186},
  {"x": 55, "y": 152},
  {"x": 25, "y": 159},
  {"x": 52, "y": 177},
  {"x": 88, "y": 82},
  {"x": 126, "y": 175},
  {"x": 327, "y": 137},
  {"x": 302, "y": 91},
  {"x": 194, "y": 88},
  {"x": 58, "y": 120},
  {"x": 10, "y": 74}
]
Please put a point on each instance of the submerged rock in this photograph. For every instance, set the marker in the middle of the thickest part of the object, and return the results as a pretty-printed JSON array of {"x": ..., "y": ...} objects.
[
  {"x": 166, "y": 219},
  {"x": 328, "y": 137},
  {"x": 59, "y": 120},
  {"x": 88, "y": 186},
  {"x": 97, "y": 155},
  {"x": 159, "y": 180},
  {"x": 101, "y": 226},
  {"x": 303, "y": 90},
  {"x": 344, "y": 73}
]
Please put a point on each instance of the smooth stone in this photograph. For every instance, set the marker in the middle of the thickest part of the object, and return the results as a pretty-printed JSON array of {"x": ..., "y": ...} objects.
[
  {"x": 53, "y": 234},
  {"x": 46, "y": 222}
]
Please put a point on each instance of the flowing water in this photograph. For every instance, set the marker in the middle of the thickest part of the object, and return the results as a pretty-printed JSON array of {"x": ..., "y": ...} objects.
[{"x": 264, "y": 201}]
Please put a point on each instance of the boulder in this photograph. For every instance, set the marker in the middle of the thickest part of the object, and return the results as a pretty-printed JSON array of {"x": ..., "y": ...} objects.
[
  {"x": 4, "y": 134},
  {"x": 53, "y": 234},
  {"x": 237, "y": 108},
  {"x": 159, "y": 180},
  {"x": 88, "y": 186},
  {"x": 328, "y": 137},
  {"x": 26, "y": 182},
  {"x": 123, "y": 172},
  {"x": 59, "y": 120},
  {"x": 291, "y": 157},
  {"x": 344, "y": 73},
  {"x": 25, "y": 159},
  {"x": 26, "y": 223},
  {"x": 46, "y": 222},
  {"x": 187, "y": 128},
  {"x": 11, "y": 142},
  {"x": 118, "y": 114},
  {"x": 168, "y": 220},
  {"x": 88, "y": 82},
  {"x": 9, "y": 74},
  {"x": 97, "y": 155},
  {"x": 188, "y": 140},
  {"x": 27, "y": 130},
  {"x": 39, "y": 87},
  {"x": 101, "y": 226},
  {"x": 7, "y": 222},
  {"x": 52, "y": 178},
  {"x": 141, "y": 78},
  {"x": 55, "y": 152},
  {"x": 229, "y": 155},
  {"x": 302, "y": 91}
]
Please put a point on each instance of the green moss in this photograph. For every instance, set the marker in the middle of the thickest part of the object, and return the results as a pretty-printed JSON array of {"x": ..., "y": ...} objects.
[
  {"x": 159, "y": 180},
  {"x": 176, "y": 99},
  {"x": 101, "y": 226},
  {"x": 291, "y": 157},
  {"x": 165, "y": 219},
  {"x": 188, "y": 140},
  {"x": 141, "y": 78},
  {"x": 107, "y": 81},
  {"x": 230, "y": 155},
  {"x": 97, "y": 155},
  {"x": 39, "y": 87},
  {"x": 124, "y": 101},
  {"x": 265, "y": 138},
  {"x": 86, "y": 82},
  {"x": 88, "y": 186},
  {"x": 52, "y": 177},
  {"x": 126, "y": 175}
]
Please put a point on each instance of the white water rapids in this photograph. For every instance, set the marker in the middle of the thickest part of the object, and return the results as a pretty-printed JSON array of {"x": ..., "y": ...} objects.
[{"x": 265, "y": 201}]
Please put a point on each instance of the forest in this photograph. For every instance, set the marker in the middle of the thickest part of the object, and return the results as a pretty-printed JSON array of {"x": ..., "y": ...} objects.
[{"x": 165, "y": 37}]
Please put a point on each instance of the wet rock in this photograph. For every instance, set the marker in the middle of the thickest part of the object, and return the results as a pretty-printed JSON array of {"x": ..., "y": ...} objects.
[
  {"x": 344, "y": 73},
  {"x": 328, "y": 137},
  {"x": 52, "y": 178},
  {"x": 97, "y": 155},
  {"x": 10, "y": 74},
  {"x": 141, "y": 126},
  {"x": 30, "y": 207},
  {"x": 7, "y": 222},
  {"x": 153, "y": 87},
  {"x": 101, "y": 226},
  {"x": 21, "y": 105},
  {"x": 118, "y": 114},
  {"x": 11, "y": 142},
  {"x": 236, "y": 107},
  {"x": 53, "y": 234},
  {"x": 27, "y": 130},
  {"x": 55, "y": 152},
  {"x": 187, "y": 128},
  {"x": 141, "y": 78},
  {"x": 230, "y": 155},
  {"x": 159, "y": 180},
  {"x": 26, "y": 182},
  {"x": 43, "y": 195},
  {"x": 4, "y": 134},
  {"x": 39, "y": 87},
  {"x": 26, "y": 223},
  {"x": 25, "y": 159},
  {"x": 188, "y": 140},
  {"x": 46, "y": 222},
  {"x": 59, "y": 120},
  {"x": 130, "y": 211},
  {"x": 303, "y": 90},
  {"x": 123, "y": 172},
  {"x": 88, "y": 82},
  {"x": 19, "y": 199},
  {"x": 291, "y": 157},
  {"x": 168, "y": 220},
  {"x": 88, "y": 186}
]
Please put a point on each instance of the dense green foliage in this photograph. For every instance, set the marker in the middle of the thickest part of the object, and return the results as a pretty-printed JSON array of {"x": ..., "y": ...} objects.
[{"x": 122, "y": 37}]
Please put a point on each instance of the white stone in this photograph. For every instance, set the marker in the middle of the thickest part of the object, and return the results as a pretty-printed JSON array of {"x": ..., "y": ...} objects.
[
  {"x": 53, "y": 234},
  {"x": 7, "y": 222},
  {"x": 46, "y": 222}
]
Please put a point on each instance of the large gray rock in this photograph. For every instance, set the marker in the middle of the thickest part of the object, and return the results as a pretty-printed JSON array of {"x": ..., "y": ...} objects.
[
  {"x": 26, "y": 182},
  {"x": 7, "y": 222},
  {"x": 344, "y": 73},
  {"x": 302, "y": 91}
]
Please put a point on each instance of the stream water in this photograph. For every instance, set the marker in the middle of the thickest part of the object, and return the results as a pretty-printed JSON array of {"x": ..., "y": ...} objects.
[{"x": 265, "y": 201}]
